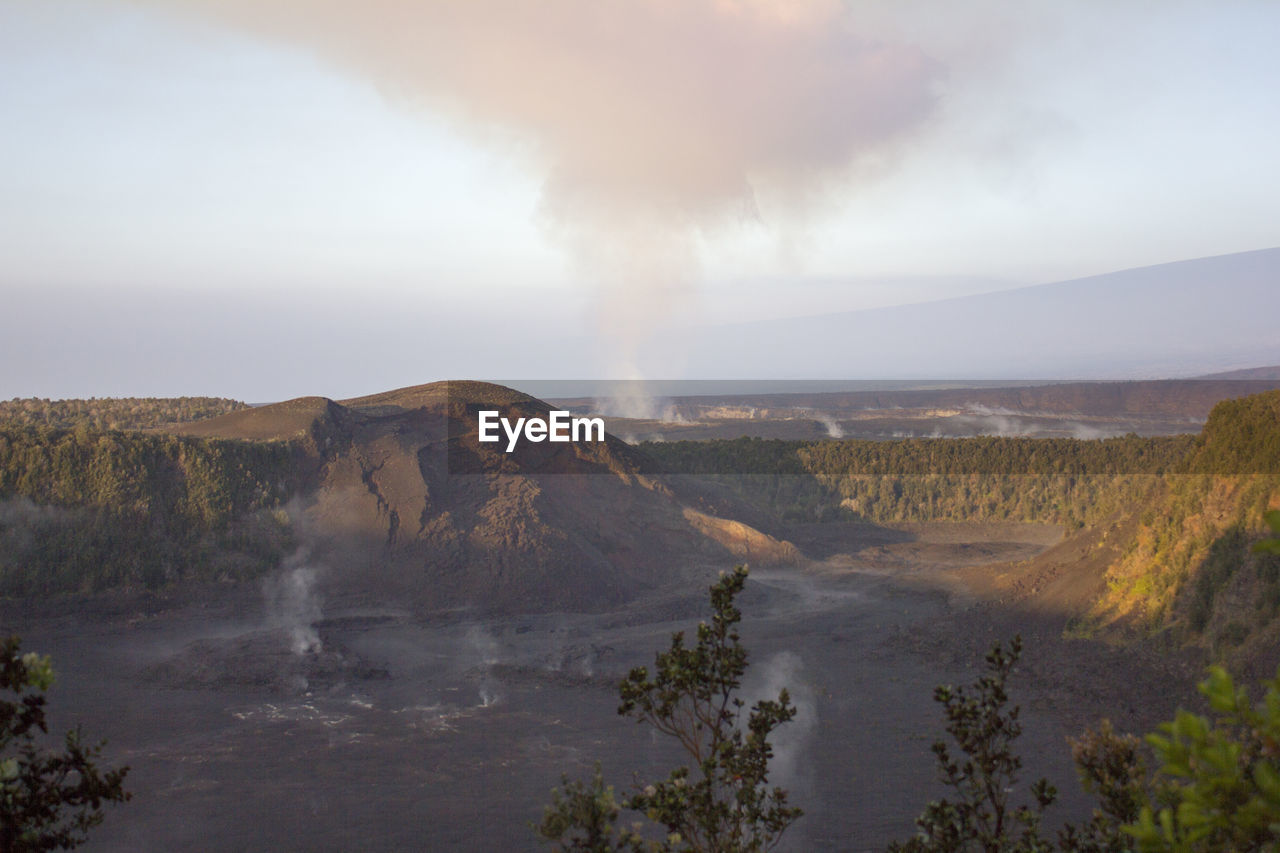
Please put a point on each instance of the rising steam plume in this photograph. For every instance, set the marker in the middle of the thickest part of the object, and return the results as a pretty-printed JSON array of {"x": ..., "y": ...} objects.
[
  {"x": 653, "y": 121},
  {"x": 292, "y": 602}
]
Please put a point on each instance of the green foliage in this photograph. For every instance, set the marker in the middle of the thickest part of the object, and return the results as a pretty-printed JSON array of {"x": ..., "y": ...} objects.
[
  {"x": 584, "y": 816},
  {"x": 745, "y": 455},
  {"x": 205, "y": 481},
  {"x": 1197, "y": 498},
  {"x": 113, "y": 413},
  {"x": 1068, "y": 481},
  {"x": 1241, "y": 436},
  {"x": 921, "y": 457},
  {"x": 1226, "y": 556},
  {"x": 48, "y": 800},
  {"x": 996, "y": 455},
  {"x": 984, "y": 728},
  {"x": 1216, "y": 785},
  {"x": 1112, "y": 767},
  {"x": 1219, "y": 781},
  {"x": 1271, "y": 545},
  {"x": 1197, "y": 548},
  {"x": 724, "y": 802},
  {"x": 83, "y": 510}
]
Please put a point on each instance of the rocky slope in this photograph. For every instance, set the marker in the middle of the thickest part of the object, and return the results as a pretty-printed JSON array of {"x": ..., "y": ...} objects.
[{"x": 408, "y": 505}]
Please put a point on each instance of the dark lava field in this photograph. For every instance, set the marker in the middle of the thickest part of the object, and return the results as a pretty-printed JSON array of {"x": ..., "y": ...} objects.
[{"x": 282, "y": 716}]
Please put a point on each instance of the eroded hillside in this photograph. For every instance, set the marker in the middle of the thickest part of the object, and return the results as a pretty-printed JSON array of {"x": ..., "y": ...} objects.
[{"x": 408, "y": 503}]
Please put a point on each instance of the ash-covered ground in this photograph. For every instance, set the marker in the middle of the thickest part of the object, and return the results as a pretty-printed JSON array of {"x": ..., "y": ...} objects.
[{"x": 269, "y": 717}]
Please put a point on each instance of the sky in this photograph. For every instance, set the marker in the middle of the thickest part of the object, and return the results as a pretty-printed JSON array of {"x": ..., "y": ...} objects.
[{"x": 268, "y": 198}]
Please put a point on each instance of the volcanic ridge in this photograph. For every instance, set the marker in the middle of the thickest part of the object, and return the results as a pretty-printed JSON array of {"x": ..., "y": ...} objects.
[{"x": 404, "y": 503}]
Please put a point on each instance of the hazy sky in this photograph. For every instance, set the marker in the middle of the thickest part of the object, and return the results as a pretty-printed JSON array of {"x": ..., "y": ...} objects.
[{"x": 264, "y": 198}]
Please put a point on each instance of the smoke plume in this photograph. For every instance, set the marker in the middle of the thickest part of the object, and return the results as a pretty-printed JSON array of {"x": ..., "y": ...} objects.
[
  {"x": 791, "y": 740},
  {"x": 831, "y": 425},
  {"x": 652, "y": 121},
  {"x": 484, "y": 648},
  {"x": 292, "y": 602}
]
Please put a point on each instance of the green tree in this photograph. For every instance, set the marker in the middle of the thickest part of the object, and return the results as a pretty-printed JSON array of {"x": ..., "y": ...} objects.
[
  {"x": 583, "y": 816},
  {"x": 48, "y": 799},
  {"x": 1112, "y": 767},
  {"x": 1218, "y": 782},
  {"x": 984, "y": 728},
  {"x": 723, "y": 802}
]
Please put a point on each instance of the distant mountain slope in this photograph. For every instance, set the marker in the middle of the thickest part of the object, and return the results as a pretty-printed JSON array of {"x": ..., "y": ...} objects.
[
  {"x": 1177, "y": 319},
  {"x": 1249, "y": 373}
]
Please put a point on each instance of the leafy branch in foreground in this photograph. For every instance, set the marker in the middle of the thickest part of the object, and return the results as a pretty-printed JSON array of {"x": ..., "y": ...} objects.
[
  {"x": 1216, "y": 786},
  {"x": 583, "y": 816},
  {"x": 1112, "y": 767},
  {"x": 1219, "y": 782},
  {"x": 981, "y": 817},
  {"x": 48, "y": 800},
  {"x": 724, "y": 802}
]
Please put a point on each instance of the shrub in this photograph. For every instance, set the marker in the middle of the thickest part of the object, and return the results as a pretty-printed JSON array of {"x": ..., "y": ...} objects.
[
  {"x": 723, "y": 802},
  {"x": 48, "y": 800}
]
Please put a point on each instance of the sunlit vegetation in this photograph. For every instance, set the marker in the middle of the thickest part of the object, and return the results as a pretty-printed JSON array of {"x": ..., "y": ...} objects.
[
  {"x": 113, "y": 412},
  {"x": 85, "y": 510},
  {"x": 1192, "y": 549},
  {"x": 1197, "y": 504}
]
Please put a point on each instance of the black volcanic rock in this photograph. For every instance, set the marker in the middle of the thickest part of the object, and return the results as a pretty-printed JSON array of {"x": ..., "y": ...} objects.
[{"x": 261, "y": 660}]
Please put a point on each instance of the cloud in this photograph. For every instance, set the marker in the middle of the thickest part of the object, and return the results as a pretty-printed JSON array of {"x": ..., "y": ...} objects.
[{"x": 651, "y": 120}]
